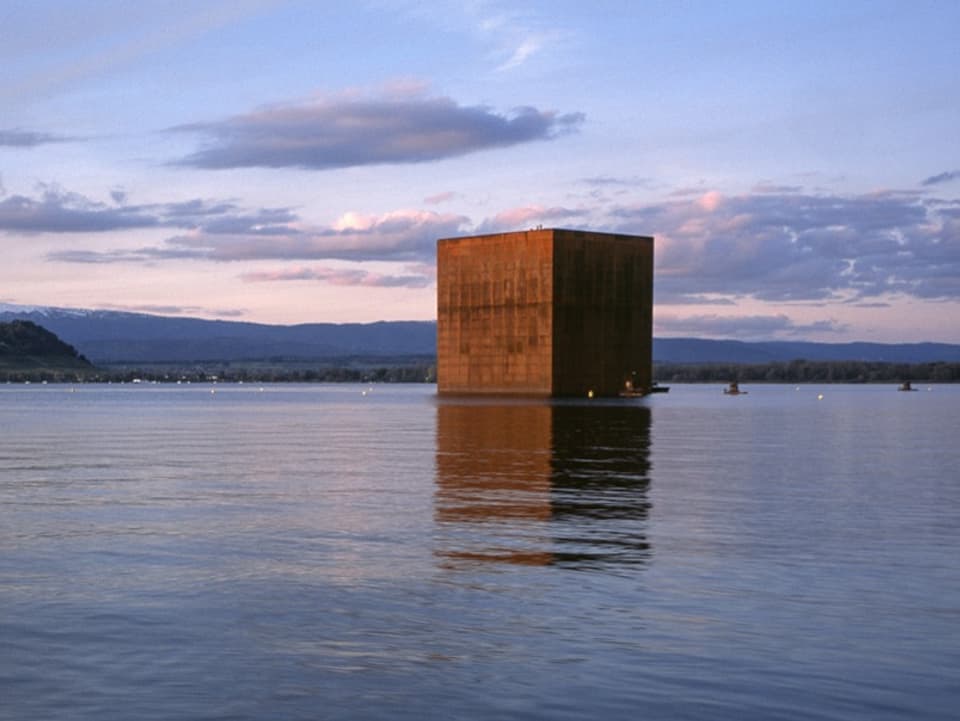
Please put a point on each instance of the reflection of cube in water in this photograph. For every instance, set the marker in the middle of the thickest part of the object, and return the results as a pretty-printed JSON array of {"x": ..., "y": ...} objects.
[
  {"x": 493, "y": 475},
  {"x": 545, "y": 312},
  {"x": 534, "y": 482}
]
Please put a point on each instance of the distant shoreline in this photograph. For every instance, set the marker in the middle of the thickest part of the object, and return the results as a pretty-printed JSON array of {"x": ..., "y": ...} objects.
[{"x": 420, "y": 371}]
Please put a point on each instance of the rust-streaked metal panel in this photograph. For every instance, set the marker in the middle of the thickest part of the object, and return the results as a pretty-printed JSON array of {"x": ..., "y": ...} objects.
[
  {"x": 603, "y": 313},
  {"x": 494, "y": 313},
  {"x": 544, "y": 312}
]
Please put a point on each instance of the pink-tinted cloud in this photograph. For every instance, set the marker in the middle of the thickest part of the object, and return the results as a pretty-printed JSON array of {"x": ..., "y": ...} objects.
[
  {"x": 341, "y": 277},
  {"x": 528, "y": 216},
  {"x": 770, "y": 246},
  {"x": 440, "y": 198}
]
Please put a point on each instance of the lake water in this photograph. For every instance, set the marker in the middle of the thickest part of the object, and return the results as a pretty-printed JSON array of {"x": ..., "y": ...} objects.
[{"x": 346, "y": 552}]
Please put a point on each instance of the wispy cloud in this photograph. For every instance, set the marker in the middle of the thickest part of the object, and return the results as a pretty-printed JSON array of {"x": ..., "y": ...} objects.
[
  {"x": 345, "y": 132},
  {"x": 53, "y": 209},
  {"x": 741, "y": 327},
  {"x": 605, "y": 187},
  {"x": 667, "y": 297},
  {"x": 101, "y": 257},
  {"x": 439, "y": 198},
  {"x": 777, "y": 189},
  {"x": 107, "y": 39},
  {"x": 527, "y": 47},
  {"x": 944, "y": 177},
  {"x": 632, "y": 181},
  {"x": 517, "y": 33},
  {"x": 185, "y": 310},
  {"x": 17, "y": 138},
  {"x": 342, "y": 277}
]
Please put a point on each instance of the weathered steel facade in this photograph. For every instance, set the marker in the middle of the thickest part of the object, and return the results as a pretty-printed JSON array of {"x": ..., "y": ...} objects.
[{"x": 544, "y": 312}]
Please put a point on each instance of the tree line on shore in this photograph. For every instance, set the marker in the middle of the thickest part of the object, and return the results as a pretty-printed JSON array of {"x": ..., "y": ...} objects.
[
  {"x": 227, "y": 374},
  {"x": 803, "y": 371},
  {"x": 797, "y": 371}
]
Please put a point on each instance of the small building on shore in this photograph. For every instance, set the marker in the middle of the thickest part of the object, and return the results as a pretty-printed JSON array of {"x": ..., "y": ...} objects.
[{"x": 545, "y": 312}]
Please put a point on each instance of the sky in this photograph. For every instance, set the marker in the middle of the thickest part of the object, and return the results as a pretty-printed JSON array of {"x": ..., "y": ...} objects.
[{"x": 798, "y": 163}]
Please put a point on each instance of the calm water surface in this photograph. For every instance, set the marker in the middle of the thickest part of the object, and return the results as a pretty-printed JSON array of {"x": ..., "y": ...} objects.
[{"x": 347, "y": 552}]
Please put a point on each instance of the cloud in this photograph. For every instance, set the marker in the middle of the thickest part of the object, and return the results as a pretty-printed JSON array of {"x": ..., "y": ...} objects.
[
  {"x": 343, "y": 277},
  {"x": 106, "y": 39},
  {"x": 603, "y": 186},
  {"x": 187, "y": 310},
  {"x": 662, "y": 297},
  {"x": 743, "y": 327},
  {"x": 197, "y": 208},
  {"x": 610, "y": 180},
  {"x": 398, "y": 235},
  {"x": 764, "y": 187},
  {"x": 945, "y": 177},
  {"x": 528, "y": 46},
  {"x": 223, "y": 232},
  {"x": 99, "y": 256},
  {"x": 16, "y": 138},
  {"x": 346, "y": 132},
  {"x": 783, "y": 247},
  {"x": 263, "y": 222},
  {"x": 714, "y": 249},
  {"x": 55, "y": 210},
  {"x": 440, "y": 198},
  {"x": 527, "y": 216},
  {"x": 872, "y": 304}
]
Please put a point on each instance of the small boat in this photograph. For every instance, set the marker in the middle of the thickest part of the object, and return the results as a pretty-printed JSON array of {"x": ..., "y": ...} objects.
[
  {"x": 734, "y": 390},
  {"x": 629, "y": 391},
  {"x": 905, "y": 386}
]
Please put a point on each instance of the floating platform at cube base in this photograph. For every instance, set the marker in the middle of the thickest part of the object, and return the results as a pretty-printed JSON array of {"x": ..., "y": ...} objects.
[{"x": 545, "y": 312}]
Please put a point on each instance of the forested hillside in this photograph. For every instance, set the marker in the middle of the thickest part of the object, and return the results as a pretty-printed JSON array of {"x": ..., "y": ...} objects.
[{"x": 24, "y": 345}]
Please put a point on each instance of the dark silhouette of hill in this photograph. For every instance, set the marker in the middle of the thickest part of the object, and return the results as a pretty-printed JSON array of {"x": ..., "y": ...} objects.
[
  {"x": 24, "y": 345},
  {"x": 115, "y": 337}
]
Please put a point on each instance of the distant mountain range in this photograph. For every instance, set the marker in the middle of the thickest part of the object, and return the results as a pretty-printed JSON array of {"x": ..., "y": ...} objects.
[{"x": 115, "y": 337}]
